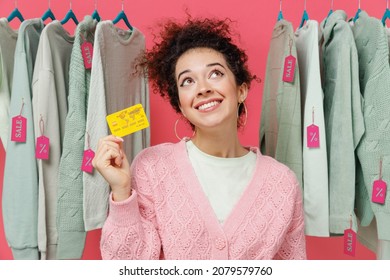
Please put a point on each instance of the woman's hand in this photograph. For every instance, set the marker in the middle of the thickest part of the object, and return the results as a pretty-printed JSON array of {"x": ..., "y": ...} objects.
[{"x": 111, "y": 162}]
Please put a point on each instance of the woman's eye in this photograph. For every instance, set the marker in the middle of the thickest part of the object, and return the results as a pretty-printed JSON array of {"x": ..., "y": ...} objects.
[
  {"x": 186, "y": 82},
  {"x": 215, "y": 74}
]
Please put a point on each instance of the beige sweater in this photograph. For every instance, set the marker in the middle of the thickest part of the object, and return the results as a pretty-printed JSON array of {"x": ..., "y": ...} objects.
[
  {"x": 114, "y": 86},
  {"x": 280, "y": 127}
]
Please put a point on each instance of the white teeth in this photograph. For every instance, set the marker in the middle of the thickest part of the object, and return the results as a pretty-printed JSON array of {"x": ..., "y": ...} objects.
[{"x": 208, "y": 105}]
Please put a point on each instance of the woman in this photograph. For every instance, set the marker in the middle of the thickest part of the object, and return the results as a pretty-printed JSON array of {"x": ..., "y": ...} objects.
[{"x": 207, "y": 197}]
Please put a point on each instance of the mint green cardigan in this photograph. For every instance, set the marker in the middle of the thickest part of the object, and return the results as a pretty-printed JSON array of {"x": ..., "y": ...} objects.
[
  {"x": 371, "y": 42},
  {"x": 344, "y": 123}
]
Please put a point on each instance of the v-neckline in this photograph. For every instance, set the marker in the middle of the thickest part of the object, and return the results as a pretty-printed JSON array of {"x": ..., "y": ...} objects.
[{"x": 244, "y": 203}]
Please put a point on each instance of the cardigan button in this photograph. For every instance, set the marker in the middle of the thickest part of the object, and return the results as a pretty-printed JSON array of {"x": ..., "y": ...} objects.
[{"x": 220, "y": 243}]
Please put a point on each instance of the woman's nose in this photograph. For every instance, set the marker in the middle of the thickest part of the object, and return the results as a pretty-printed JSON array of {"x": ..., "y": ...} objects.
[{"x": 204, "y": 88}]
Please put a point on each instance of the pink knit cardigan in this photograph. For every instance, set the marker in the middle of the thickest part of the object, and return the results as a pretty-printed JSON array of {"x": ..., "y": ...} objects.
[{"x": 168, "y": 215}]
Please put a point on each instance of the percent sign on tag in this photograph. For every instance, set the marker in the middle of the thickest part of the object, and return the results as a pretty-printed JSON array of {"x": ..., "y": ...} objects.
[
  {"x": 127, "y": 121},
  {"x": 379, "y": 192},
  {"x": 313, "y": 139}
]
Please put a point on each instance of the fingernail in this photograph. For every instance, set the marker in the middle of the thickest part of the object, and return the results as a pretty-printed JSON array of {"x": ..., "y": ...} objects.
[{"x": 119, "y": 138}]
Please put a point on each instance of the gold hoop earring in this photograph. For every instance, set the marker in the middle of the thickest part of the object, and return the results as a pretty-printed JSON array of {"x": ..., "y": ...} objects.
[
  {"x": 246, "y": 112},
  {"x": 175, "y": 129}
]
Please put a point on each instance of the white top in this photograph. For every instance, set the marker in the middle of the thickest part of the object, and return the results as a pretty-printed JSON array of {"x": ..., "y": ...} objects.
[
  {"x": 49, "y": 99},
  {"x": 315, "y": 166},
  {"x": 223, "y": 179}
]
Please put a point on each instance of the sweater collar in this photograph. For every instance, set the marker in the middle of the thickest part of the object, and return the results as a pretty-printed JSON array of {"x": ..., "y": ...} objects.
[
  {"x": 247, "y": 199},
  {"x": 250, "y": 148},
  {"x": 281, "y": 27},
  {"x": 335, "y": 18}
]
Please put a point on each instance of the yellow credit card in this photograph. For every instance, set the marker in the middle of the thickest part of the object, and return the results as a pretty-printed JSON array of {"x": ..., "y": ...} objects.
[{"x": 127, "y": 121}]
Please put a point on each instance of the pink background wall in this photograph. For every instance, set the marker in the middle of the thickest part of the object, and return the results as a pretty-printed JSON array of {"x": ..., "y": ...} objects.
[{"x": 254, "y": 21}]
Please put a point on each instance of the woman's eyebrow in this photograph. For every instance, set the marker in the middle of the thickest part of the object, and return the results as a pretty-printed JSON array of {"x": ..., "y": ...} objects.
[
  {"x": 214, "y": 64},
  {"x": 181, "y": 73},
  {"x": 208, "y": 65}
]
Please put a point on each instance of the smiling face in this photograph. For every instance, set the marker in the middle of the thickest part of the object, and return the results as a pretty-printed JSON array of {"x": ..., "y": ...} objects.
[{"x": 208, "y": 92}]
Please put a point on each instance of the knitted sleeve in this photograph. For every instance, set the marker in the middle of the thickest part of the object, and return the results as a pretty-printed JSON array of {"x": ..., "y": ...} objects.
[
  {"x": 130, "y": 231},
  {"x": 294, "y": 245},
  {"x": 95, "y": 188}
]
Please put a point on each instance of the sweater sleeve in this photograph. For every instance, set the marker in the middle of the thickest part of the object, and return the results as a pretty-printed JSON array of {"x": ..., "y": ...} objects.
[
  {"x": 131, "y": 231},
  {"x": 95, "y": 187},
  {"x": 20, "y": 188},
  {"x": 293, "y": 246},
  {"x": 344, "y": 126}
]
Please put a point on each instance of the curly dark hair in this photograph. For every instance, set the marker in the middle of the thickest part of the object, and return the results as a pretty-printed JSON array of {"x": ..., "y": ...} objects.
[{"x": 177, "y": 38}]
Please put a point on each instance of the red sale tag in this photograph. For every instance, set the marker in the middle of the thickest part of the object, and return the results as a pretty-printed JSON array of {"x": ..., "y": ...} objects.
[
  {"x": 313, "y": 136},
  {"x": 379, "y": 190},
  {"x": 349, "y": 242},
  {"x": 19, "y": 128},
  {"x": 42, "y": 148},
  {"x": 87, "y": 53},
  {"x": 86, "y": 165},
  {"x": 289, "y": 69}
]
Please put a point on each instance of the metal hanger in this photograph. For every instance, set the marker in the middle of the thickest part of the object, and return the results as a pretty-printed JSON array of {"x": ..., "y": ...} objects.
[
  {"x": 330, "y": 12},
  {"x": 280, "y": 15},
  {"x": 357, "y": 13},
  {"x": 331, "y": 9},
  {"x": 386, "y": 15},
  {"x": 122, "y": 16},
  {"x": 305, "y": 17},
  {"x": 48, "y": 13},
  {"x": 15, "y": 14},
  {"x": 95, "y": 14},
  {"x": 70, "y": 15}
]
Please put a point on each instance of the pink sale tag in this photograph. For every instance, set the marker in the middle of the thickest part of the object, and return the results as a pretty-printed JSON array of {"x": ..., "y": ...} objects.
[
  {"x": 19, "y": 127},
  {"x": 379, "y": 192},
  {"x": 87, "y": 52},
  {"x": 86, "y": 165},
  {"x": 42, "y": 148},
  {"x": 349, "y": 242},
  {"x": 289, "y": 69},
  {"x": 313, "y": 136}
]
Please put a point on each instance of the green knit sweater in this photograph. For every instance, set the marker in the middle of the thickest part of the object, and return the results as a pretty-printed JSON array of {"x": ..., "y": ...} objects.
[
  {"x": 374, "y": 77},
  {"x": 344, "y": 123},
  {"x": 70, "y": 223}
]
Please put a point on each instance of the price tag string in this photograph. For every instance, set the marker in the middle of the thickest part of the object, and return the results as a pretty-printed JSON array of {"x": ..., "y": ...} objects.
[{"x": 21, "y": 109}]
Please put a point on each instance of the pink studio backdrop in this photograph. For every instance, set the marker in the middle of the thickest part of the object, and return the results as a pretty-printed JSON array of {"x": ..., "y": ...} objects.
[{"x": 254, "y": 21}]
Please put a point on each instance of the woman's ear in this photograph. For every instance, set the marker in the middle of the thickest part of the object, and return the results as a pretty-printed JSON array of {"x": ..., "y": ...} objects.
[{"x": 242, "y": 92}]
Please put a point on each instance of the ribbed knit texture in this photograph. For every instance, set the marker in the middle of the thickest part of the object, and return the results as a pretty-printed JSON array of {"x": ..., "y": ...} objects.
[
  {"x": 116, "y": 84},
  {"x": 168, "y": 215},
  {"x": 315, "y": 162},
  {"x": 7, "y": 56},
  {"x": 343, "y": 118},
  {"x": 20, "y": 188},
  {"x": 70, "y": 222},
  {"x": 374, "y": 72},
  {"x": 280, "y": 127}
]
